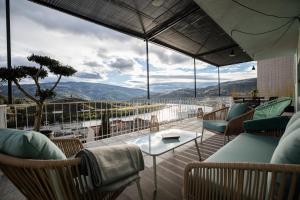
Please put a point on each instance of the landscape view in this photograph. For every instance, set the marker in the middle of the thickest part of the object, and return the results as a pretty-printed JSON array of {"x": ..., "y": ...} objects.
[{"x": 106, "y": 93}]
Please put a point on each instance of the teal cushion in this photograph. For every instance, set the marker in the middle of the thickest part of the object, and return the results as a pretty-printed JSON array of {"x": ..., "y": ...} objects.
[
  {"x": 215, "y": 125},
  {"x": 272, "y": 108},
  {"x": 246, "y": 148},
  {"x": 268, "y": 124},
  {"x": 28, "y": 144},
  {"x": 293, "y": 124},
  {"x": 288, "y": 150},
  {"x": 236, "y": 110}
]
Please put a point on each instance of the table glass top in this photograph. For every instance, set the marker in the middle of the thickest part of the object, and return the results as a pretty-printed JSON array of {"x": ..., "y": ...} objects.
[{"x": 154, "y": 144}]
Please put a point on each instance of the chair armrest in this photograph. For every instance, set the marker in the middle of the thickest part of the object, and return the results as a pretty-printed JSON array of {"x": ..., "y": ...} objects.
[
  {"x": 239, "y": 180},
  {"x": 69, "y": 146},
  {"x": 274, "y": 124},
  {"x": 235, "y": 126},
  {"x": 217, "y": 114}
]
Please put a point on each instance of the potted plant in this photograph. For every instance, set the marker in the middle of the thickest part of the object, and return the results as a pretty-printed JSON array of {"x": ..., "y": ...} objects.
[
  {"x": 254, "y": 93},
  {"x": 45, "y": 65}
]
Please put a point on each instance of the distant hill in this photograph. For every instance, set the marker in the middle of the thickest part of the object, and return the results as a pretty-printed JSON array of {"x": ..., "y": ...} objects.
[
  {"x": 96, "y": 91},
  {"x": 241, "y": 87},
  {"x": 83, "y": 90}
]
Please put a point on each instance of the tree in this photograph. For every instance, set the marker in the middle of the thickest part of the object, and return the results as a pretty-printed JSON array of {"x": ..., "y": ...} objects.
[{"x": 45, "y": 66}]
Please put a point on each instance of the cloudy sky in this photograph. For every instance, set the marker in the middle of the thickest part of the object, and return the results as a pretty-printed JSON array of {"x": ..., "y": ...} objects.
[{"x": 100, "y": 54}]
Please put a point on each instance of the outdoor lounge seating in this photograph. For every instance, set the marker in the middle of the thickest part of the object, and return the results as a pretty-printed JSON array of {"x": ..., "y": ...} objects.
[
  {"x": 227, "y": 121},
  {"x": 255, "y": 165},
  {"x": 41, "y": 170}
]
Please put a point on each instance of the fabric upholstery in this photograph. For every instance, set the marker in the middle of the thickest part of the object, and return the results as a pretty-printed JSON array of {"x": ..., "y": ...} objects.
[
  {"x": 272, "y": 108},
  {"x": 111, "y": 164},
  {"x": 28, "y": 144},
  {"x": 215, "y": 125},
  {"x": 293, "y": 124},
  {"x": 236, "y": 110},
  {"x": 288, "y": 150},
  {"x": 246, "y": 148},
  {"x": 274, "y": 123}
]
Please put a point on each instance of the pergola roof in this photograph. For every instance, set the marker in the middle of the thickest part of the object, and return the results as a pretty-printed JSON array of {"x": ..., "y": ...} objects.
[{"x": 177, "y": 24}]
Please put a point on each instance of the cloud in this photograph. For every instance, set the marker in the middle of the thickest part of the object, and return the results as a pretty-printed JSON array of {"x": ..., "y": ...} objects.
[
  {"x": 121, "y": 64},
  {"x": 61, "y": 21},
  {"x": 88, "y": 75},
  {"x": 92, "y": 64}
]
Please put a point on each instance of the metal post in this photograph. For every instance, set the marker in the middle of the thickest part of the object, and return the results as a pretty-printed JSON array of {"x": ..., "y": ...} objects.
[
  {"x": 8, "y": 49},
  {"x": 219, "y": 84},
  {"x": 195, "y": 79},
  {"x": 147, "y": 55}
]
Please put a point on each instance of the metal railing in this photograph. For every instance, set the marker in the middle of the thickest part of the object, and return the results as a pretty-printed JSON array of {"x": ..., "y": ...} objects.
[{"x": 94, "y": 120}]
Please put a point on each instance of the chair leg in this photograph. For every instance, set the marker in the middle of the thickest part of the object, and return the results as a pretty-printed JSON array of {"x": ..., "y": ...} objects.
[
  {"x": 228, "y": 138},
  {"x": 202, "y": 134},
  {"x": 224, "y": 139},
  {"x": 138, "y": 185}
]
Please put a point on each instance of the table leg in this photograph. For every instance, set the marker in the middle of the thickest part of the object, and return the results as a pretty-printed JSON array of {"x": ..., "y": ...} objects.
[
  {"x": 154, "y": 171},
  {"x": 198, "y": 150}
]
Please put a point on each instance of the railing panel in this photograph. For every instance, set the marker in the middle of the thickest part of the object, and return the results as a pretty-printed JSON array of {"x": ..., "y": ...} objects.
[{"x": 94, "y": 120}]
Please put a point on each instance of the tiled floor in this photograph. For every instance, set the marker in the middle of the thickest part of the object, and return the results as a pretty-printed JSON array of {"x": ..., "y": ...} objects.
[{"x": 170, "y": 166}]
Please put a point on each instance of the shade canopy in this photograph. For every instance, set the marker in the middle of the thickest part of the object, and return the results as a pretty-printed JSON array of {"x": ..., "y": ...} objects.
[
  {"x": 177, "y": 24},
  {"x": 263, "y": 28}
]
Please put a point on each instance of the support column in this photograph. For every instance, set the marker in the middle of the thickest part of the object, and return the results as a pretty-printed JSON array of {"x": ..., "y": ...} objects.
[
  {"x": 219, "y": 84},
  {"x": 8, "y": 49},
  {"x": 147, "y": 57},
  {"x": 195, "y": 79}
]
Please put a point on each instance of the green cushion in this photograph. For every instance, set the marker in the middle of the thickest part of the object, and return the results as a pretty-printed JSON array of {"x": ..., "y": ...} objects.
[
  {"x": 246, "y": 148},
  {"x": 215, "y": 125},
  {"x": 236, "y": 110},
  {"x": 288, "y": 150},
  {"x": 268, "y": 124},
  {"x": 272, "y": 108},
  {"x": 293, "y": 124},
  {"x": 28, "y": 144}
]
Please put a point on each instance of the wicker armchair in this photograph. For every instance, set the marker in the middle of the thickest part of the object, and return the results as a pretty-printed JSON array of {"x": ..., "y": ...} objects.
[
  {"x": 240, "y": 180},
  {"x": 234, "y": 126},
  {"x": 41, "y": 179}
]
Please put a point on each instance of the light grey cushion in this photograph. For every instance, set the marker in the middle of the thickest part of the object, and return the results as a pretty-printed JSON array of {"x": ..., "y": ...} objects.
[{"x": 288, "y": 150}]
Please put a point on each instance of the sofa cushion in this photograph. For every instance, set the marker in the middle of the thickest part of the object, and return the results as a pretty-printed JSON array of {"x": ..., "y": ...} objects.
[
  {"x": 246, "y": 148},
  {"x": 288, "y": 150},
  {"x": 28, "y": 144},
  {"x": 293, "y": 124},
  {"x": 215, "y": 125},
  {"x": 236, "y": 110}
]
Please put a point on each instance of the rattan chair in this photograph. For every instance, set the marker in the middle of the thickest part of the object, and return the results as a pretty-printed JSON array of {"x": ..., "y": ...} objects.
[
  {"x": 234, "y": 126},
  {"x": 41, "y": 179}
]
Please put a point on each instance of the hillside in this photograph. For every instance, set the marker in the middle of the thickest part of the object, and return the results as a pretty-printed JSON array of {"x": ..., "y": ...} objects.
[
  {"x": 83, "y": 90},
  {"x": 227, "y": 89},
  {"x": 97, "y": 91}
]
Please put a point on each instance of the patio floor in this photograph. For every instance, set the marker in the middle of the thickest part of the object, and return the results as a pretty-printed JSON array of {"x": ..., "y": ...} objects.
[{"x": 170, "y": 166}]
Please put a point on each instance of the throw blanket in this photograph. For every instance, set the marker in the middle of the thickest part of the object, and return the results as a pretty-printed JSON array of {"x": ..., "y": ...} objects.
[{"x": 108, "y": 165}]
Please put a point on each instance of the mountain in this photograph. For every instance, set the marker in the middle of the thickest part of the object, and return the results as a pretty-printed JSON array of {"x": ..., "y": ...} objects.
[
  {"x": 97, "y": 91},
  {"x": 240, "y": 87},
  {"x": 83, "y": 90}
]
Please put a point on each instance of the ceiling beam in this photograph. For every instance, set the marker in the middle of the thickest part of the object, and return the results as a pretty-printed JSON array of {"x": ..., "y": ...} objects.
[
  {"x": 217, "y": 50},
  {"x": 192, "y": 8}
]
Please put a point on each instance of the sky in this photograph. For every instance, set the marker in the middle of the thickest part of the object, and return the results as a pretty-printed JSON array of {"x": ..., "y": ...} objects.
[{"x": 102, "y": 55}]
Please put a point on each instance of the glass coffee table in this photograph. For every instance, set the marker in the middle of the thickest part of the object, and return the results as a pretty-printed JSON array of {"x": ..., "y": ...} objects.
[{"x": 154, "y": 145}]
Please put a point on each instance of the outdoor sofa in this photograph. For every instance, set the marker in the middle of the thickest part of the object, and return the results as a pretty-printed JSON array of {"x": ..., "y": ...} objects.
[{"x": 260, "y": 163}]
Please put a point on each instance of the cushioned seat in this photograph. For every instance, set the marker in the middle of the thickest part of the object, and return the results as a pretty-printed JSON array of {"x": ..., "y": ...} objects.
[
  {"x": 218, "y": 126},
  {"x": 247, "y": 148}
]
